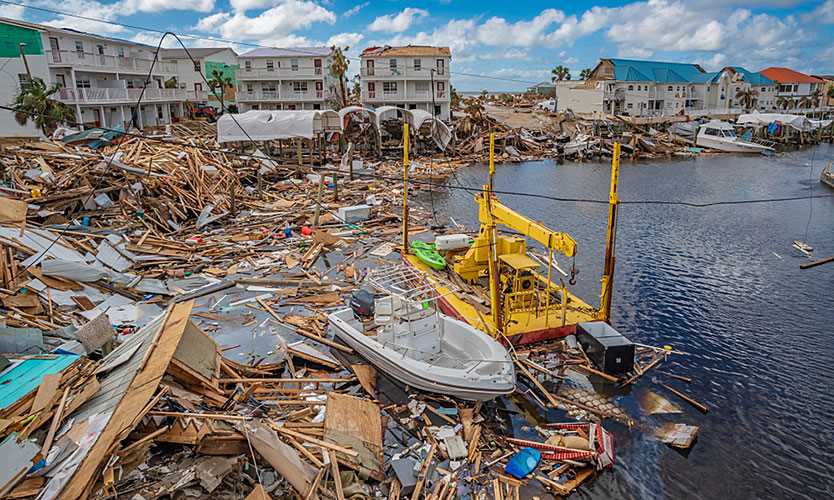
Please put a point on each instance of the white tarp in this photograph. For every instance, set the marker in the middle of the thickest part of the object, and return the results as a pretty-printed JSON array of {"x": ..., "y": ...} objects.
[
  {"x": 763, "y": 119},
  {"x": 266, "y": 125}
]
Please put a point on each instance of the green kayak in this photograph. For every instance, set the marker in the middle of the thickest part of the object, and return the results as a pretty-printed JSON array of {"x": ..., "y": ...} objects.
[{"x": 427, "y": 254}]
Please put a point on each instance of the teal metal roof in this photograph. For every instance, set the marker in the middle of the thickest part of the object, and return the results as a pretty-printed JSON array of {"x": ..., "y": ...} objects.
[
  {"x": 632, "y": 70},
  {"x": 753, "y": 78},
  {"x": 27, "y": 375}
]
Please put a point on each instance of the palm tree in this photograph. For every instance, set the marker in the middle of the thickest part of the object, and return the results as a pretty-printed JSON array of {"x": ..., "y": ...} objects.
[
  {"x": 560, "y": 73},
  {"x": 356, "y": 92},
  {"x": 454, "y": 97},
  {"x": 338, "y": 67},
  {"x": 783, "y": 102},
  {"x": 219, "y": 79},
  {"x": 585, "y": 74},
  {"x": 804, "y": 102},
  {"x": 815, "y": 97},
  {"x": 35, "y": 101},
  {"x": 830, "y": 93},
  {"x": 747, "y": 97}
]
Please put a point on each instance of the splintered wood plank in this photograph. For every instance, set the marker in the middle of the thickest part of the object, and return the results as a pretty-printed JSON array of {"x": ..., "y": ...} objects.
[
  {"x": 355, "y": 423},
  {"x": 46, "y": 392},
  {"x": 367, "y": 377},
  {"x": 130, "y": 409},
  {"x": 259, "y": 493}
]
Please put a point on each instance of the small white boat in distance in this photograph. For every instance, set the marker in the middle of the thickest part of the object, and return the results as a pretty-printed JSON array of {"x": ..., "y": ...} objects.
[
  {"x": 720, "y": 135},
  {"x": 410, "y": 340}
]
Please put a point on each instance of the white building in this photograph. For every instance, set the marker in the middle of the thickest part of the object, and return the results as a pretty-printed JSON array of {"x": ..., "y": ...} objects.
[
  {"x": 410, "y": 77},
  {"x": 297, "y": 78},
  {"x": 190, "y": 74},
  {"x": 796, "y": 90},
  {"x": 653, "y": 88},
  {"x": 101, "y": 78}
]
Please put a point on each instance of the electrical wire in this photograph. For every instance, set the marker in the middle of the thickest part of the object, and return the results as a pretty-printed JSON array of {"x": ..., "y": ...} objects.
[
  {"x": 470, "y": 189},
  {"x": 224, "y": 40},
  {"x": 137, "y": 109}
]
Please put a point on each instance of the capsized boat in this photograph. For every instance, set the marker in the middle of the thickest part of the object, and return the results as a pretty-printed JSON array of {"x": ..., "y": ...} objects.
[
  {"x": 720, "y": 135},
  {"x": 413, "y": 342}
]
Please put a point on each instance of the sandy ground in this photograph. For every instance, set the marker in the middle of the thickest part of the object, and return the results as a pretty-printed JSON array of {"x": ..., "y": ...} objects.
[{"x": 515, "y": 118}]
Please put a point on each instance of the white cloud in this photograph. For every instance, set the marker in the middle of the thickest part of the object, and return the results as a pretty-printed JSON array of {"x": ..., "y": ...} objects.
[
  {"x": 397, "y": 23},
  {"x": 11, "y": 11},
  {"x": 355, "y": 9},
  {"x": 345, "y": 40},
  {"x": 274, "y": 26},
  {"x": 497, "y": 31},
  {"x": 212, "y": 22},
  {"x": 152, "y": 39},
  {"x": 90, "y": 8},
  {"x": 457, "y": 34},
  {"x": 664, "y": 25},
  {"x": 127, "y": 7},
  {"x": 823, "y": 14}
]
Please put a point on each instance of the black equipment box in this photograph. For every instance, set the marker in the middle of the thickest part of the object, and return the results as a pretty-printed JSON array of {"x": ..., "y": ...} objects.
[{"x": 607, "y": 348}]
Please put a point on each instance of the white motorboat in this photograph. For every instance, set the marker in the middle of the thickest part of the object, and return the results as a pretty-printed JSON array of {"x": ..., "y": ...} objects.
[
  {"x": 720, "y": 135},
  {"x": 579, "y": 144},
  {"x": 410, "y": 340}
]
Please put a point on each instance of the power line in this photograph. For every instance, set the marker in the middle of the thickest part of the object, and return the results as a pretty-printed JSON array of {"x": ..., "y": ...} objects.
[
  {"x": 224, "y": 40},
  {"x": 458, "y": 185}
]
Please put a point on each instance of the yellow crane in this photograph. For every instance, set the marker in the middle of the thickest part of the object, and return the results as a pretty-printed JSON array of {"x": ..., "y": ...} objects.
[{"x": 526, "y": 305}]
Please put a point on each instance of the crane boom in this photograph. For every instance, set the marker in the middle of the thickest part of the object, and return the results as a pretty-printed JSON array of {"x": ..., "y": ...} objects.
[{"x": 505, "y": 216}]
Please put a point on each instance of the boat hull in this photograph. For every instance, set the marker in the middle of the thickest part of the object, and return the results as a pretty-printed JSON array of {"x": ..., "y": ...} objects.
[
  {"x": 731, "y": 146},
  {"x": 410, "y": 372}
]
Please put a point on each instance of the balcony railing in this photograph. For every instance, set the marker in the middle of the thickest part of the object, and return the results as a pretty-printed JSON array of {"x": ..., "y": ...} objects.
[
  {"x": 269, "y": 95},
  {"x": 422, "y": 73},
  {"x": 108, "y": 96},
  {"x": 310, "y": 72},
  {"x": 108, "y": 62},
  {"x": 418, "y": 95}
]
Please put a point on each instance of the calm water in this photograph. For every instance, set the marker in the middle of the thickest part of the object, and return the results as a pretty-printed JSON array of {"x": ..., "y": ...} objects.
[{"x": 723, "y": 284}]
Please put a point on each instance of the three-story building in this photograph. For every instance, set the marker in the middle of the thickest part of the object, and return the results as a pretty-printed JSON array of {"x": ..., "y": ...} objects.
[
  {"x": 101, "y": 78},
  {"x": 409, "y": 77},
  {"x": 289, "y": 79}
]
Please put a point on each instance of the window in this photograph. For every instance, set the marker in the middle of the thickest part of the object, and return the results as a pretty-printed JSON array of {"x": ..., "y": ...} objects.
[
  {"x": 412, "y": 106},
  {"x": 371, "y": 90},
  {"x": 198, "y": 87},
  {"x": 247, "y": 65},
  {"x": 436, "y": 109},
  {"x": 79, "y": 49},
  {"x": 23, "y": 79},
  {"x": 631, "y": 87},
  {"x": 316, "y": 106},
  {"x": 796, "y": 88},
  {"x": 270, "y": 66},
  {"x": 317, "y": 66},
  {"x": 299, "y": 87},
  {"x": 441, "y": 89},
  {"x": 669, "y": 88},
  {"x": 763, "y": 89},
  {"x": 250, "y": 88},
  {"x": 294, "y": 64},
  {"x": 389, "y": 87},
  {"x": 82, "y": 83},
  {"x": 630, "y": 105},
  {"x": 418, "y": 64},
  {"x": 392, "y": 63},
  {"x": 440, "y": 65},
  {"x": 421, "y": 87},
  {"x": 120, "y": 51},
  {"x": 713, "y": 131},
  {"x": 197, "y": 66}
]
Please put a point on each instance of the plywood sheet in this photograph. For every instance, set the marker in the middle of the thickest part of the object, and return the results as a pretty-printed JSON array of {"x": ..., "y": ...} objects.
[{"x": 355, "y": 423}]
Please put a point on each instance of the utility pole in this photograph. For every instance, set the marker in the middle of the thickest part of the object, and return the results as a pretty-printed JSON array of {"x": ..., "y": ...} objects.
[{"x": 22, "y": 47}]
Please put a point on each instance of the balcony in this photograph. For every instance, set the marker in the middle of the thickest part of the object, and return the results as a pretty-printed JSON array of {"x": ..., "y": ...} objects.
[
  {"x": 125, "y": 96},
  {"x": 301, "y": 73},
  {"x": 421, "y": 73},
  {"x": 90, "y": 61}
]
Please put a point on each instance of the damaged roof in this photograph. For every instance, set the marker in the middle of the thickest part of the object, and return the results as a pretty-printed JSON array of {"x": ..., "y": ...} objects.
[{"x": 407, "y": 50}]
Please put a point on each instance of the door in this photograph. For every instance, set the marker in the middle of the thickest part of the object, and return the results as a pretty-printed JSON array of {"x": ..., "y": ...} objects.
[
  {"x": 371, "y": 90},
  {"x": 317, "y": 66},
  {"x": 441, "y": 67},
  {"x": 370, "y": 67},
  {"x": 100, "y": 52},
  {"x": 198, "y": 91},
  {"x": 56, "y": 51},
  {"x": 319, "y": 90}
]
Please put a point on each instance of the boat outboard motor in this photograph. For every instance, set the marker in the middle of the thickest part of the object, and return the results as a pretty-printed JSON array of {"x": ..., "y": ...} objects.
[{"x": 362, "y": 304}]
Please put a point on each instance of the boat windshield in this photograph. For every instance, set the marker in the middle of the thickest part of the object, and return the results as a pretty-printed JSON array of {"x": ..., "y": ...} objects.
[{"x": 729, "y": 133}]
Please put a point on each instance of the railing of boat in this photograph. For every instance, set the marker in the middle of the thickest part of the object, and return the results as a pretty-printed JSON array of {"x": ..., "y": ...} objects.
[
  {"x": 763, "y": 142},
  {"x": 475, "y": 362}
]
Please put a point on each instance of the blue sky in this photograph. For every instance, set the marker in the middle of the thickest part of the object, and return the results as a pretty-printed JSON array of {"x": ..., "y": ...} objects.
[{"x": 512, "y": 42}]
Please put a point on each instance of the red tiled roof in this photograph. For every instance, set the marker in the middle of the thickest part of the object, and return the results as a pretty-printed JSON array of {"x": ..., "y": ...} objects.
[{"x": 787, "y": 75}]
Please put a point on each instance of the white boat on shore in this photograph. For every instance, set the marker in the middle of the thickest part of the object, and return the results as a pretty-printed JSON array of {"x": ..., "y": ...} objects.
[
  {"x": 410, "y": 340},
  {"x": 720, "y": 135}
]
